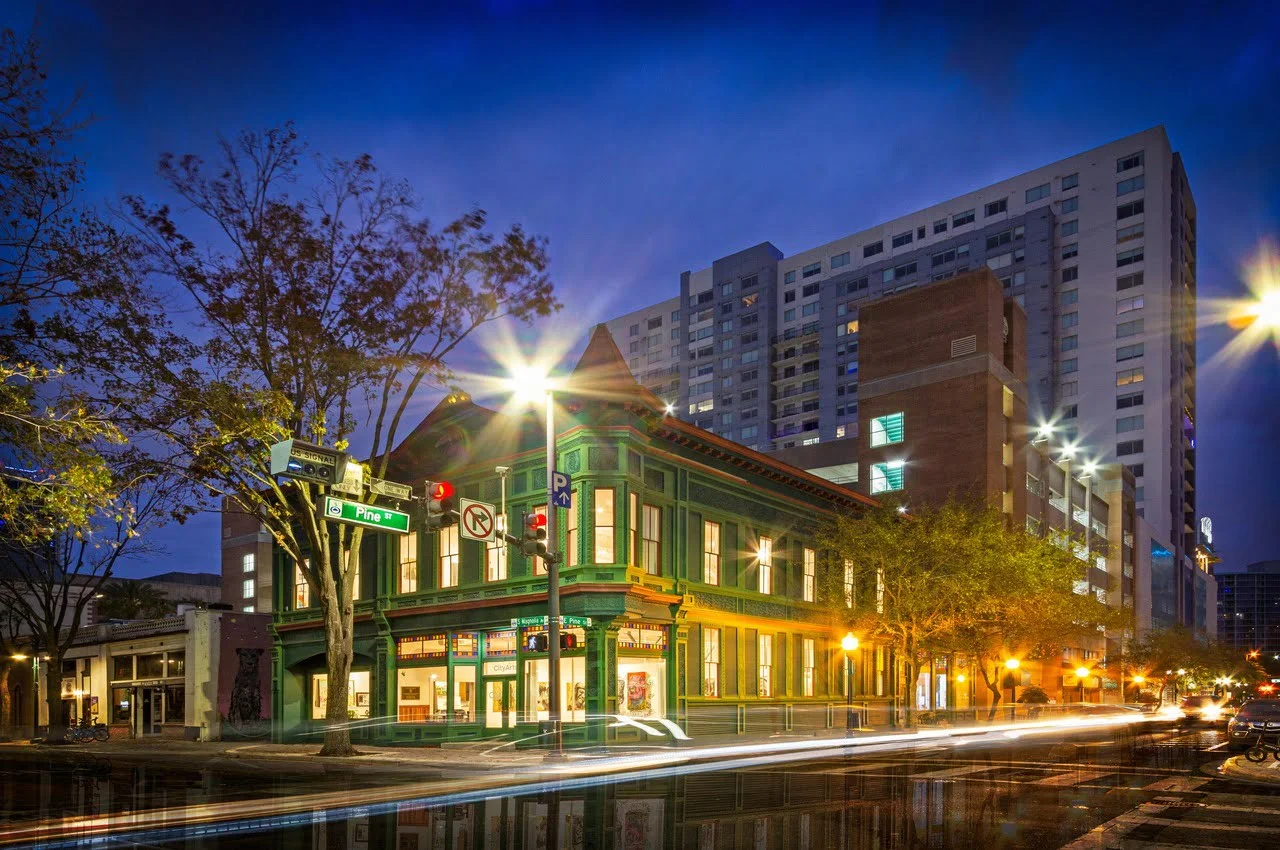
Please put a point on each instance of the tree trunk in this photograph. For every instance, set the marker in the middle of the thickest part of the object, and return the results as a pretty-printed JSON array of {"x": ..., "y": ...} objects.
[
  {"x": 338, "y": 624},
  {"x": 994, "y": 687},
  {"x": 6, "y": 702},
  {"x": 57, "y": 733}
]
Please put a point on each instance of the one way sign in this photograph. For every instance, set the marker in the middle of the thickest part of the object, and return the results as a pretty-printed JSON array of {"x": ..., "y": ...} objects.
[{"x": 561, "y": 495}]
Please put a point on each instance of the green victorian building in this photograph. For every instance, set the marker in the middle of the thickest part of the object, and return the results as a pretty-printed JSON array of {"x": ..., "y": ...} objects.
[{"x": 690, "y": 557}]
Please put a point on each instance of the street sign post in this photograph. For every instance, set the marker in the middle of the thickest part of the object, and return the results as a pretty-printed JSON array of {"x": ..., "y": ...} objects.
[
  {"x": 370, "y": 516},
  {"x": 561, "y": 495},
  {"x": 478, "y": 520},
  {"x": 390, "y": 489}
]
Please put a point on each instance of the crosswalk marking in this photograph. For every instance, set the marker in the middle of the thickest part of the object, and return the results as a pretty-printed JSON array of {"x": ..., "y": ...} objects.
[
  {"x": 1211, "y": 817},
  {"x": 953, "y": 772},
  {"x": 1072, "y": 777},
  {"x": 1177, "y": 783}
]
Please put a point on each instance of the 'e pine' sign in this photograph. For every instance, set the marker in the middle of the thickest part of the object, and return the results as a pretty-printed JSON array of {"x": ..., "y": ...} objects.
[{"x": 370, "y": 516}]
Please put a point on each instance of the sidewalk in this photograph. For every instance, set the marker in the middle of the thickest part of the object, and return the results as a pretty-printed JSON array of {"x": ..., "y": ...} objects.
[{"x": 1239, "y": 767}]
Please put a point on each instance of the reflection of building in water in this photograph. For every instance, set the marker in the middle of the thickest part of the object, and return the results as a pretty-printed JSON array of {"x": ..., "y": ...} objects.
[{"x": 690, "y": 580}]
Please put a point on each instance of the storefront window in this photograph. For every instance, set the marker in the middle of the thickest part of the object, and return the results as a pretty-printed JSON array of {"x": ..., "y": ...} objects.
[
  {"x": 500, "y": 645},
  {"x": 651, "y": 540},
  {"x": 421, "y": 647},
  {"x": 175, "y": 704},
  {"x": 633, "y": 530},
  {"x": 464, "y": 694},
  {"x": 573, "y": 684},
  {"x": 423, "y": 695},
  {"x": 121, "y": 668},
  {"x": 150, "y": 666},
  {"x": 642, "y": 687},
  {"x": 177, "y": 664},
  {"x": 357, "y": 695},
  {"x": 121, "y": 704},
  {"x": 604, "y": 539}
]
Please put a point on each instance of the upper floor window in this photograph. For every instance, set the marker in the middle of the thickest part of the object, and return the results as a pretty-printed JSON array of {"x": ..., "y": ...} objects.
[
  {"x": 789, "y": 277},
  {"x": 301, "y": 587},
  {"x": 810, "y": 571},
  {"x": 651, "y": 540},
  {"x": 765, "y": 556},
  {"x": 996, "y": 207},
  {"x": 495, "y": 560},
  {"x": 840, "y": 260},
  {"x": 872, "y": 249},
  {"x": 711, "y": 552},
  {"x": 902, "y": 239},
  {"x": 1133, "y": 160},
  {"x": 633, "y": 530},
  {"x": 1037, "y": 193},
  {"x": 447, "y": 540},
  {"x": 248, "y": 562},
  {"x": 1070, "y": 181},
  {"x": 765, "y": 660},
  {"x": 887, "y": 430},
  {"x": 808, "y": 666},
  {"x": 886, "y": 477},
  {"x": 965, "y": 217},
  {"x": 604, "y": 530},
  {"x": 248, "y": 589},
  {"x": 1133, "y": 184},
  {"x": 811, "y": 270},
  {"x": 409, "y": 562},
  {"x": 1069, "y": 205}
]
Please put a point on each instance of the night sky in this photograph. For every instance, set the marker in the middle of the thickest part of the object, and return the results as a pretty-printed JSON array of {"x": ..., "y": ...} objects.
[{"x": 646, "y": 143}]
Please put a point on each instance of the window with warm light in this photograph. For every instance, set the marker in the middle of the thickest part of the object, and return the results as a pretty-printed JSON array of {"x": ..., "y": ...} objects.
[
  {"x": 765, "y": 572},
  {"x": 248, "y": 588},
  {"x": 604, "y": 530},
  {"x": 651, "y": 540},
  {"x": 807, "y": 665},
  {"x": 710, "y": 662},
  {"x": 765, "y": 660},
  {"x": 447, "y": 540},
  {"x": 633, "y": 529},
  {"x": 409, "y": 562},
  {"x": 571, "y": 533},
  {"x": 810, "y": 568},
  {"x": 711, "y": 552},
  {"x": 888, "y": 430},
  {"x": 495, "y": 560},
  {"x": 301, "y": 589}
]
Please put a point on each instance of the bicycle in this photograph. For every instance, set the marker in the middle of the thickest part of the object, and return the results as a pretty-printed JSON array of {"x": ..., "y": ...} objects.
[
  {"x": 1258, "y": 752},
  {"x": 85, "y": 731}
]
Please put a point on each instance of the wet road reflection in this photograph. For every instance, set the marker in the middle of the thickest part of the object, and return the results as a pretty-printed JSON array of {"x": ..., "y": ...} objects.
[{"x": 1042, "y": 795}]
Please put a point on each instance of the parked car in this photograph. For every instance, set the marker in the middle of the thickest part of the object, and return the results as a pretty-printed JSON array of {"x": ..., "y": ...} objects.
[
  {"x": 1204, "y": 708},
  {"x": 1255, "y": 717}
]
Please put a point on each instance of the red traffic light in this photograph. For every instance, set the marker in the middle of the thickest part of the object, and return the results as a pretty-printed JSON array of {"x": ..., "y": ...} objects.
[
  {"x": 440, "y": 490},
  {"x": 536, "y": 521}
]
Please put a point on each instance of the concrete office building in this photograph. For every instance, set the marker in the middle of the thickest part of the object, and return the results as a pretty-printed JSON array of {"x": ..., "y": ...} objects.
[{"x": 1099, "y": 250}]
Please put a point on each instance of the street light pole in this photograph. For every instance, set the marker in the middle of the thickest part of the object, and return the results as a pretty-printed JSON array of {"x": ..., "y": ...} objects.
[
  {"x": 553, "y": 587},
  {"x": 848, "y": 643}
]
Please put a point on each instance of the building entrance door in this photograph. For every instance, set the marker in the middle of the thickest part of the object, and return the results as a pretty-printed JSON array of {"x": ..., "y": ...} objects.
[
  {"x": 499, "y": 703},
  {"x": 150, "y": 711}
]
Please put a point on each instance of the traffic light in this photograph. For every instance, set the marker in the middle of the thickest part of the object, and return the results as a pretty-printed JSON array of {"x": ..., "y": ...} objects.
[
  {"x": 537, "y": 642},
  {"x": 307, "y": 462},
  {"x": 440, "y": 513},
  {"x": 568, "y": 640},
  {"x": 534, "y": 541}
]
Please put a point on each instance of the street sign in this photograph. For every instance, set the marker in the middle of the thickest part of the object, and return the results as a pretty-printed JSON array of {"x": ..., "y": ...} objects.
[
  {"x": 521, "y": 622},
  {"x": 352, "y": 482},
  {"x": 390, "y": 489},
  {"x": 370, "y": 516},
  {"x": 561, "y": 496},
  {"x": 478, "y": 520}
]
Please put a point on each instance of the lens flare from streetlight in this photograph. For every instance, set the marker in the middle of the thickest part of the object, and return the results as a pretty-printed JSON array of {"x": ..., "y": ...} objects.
[
  {"x": 1255, "y": 319},
  {"x": 1012, "y": 664}
]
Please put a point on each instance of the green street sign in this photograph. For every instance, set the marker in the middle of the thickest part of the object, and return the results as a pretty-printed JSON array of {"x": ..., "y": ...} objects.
[
  {"x": 370, "y": 516},
  {"x": 521, "y": 622},
  {"x": 575, "y": 621}
]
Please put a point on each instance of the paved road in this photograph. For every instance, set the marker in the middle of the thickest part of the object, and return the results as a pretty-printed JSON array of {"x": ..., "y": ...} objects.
[{"x": 1113, "y": 791}]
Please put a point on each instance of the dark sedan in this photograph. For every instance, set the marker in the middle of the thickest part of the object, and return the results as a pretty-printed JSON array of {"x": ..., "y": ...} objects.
[{"x": 1255, "y": 717}]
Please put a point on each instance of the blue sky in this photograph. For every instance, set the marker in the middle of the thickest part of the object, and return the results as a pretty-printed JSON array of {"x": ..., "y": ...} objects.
[{"x": 645, "y": 139}]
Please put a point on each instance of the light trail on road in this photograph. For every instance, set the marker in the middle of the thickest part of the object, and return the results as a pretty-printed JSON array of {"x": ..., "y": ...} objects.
[{"x": 573, "y": 772}]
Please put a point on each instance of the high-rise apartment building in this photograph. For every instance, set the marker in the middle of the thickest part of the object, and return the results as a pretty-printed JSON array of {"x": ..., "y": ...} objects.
[
  {"x": 1098, "y": 249},
  {"x": 1249, "y": 606}
]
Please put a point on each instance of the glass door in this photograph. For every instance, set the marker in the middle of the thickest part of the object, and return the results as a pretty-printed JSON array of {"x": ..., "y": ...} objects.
[{"x": 499, "y": 703}]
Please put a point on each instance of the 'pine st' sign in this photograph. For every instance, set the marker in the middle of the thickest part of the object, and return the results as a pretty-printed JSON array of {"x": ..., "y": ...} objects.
[{"x": 370, "y": 516}]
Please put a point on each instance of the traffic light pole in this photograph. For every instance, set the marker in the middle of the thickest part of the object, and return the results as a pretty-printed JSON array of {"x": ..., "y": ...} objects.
[{"x": 553, "y": 588}]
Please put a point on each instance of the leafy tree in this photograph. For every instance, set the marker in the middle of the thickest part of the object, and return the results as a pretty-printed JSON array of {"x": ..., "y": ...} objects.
[
  {"x": 956, "y": 577},
  {"x": 49, "y": 584},
  {"x": 1180, "y": 658},
  {"x": 132, "y": 600},
  {"x": 316, "y": 315}
]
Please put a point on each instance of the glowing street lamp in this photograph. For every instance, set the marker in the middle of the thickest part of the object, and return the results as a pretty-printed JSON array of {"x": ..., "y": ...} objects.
[
  {"x": 1082, "y": 673},
  {"x": 848, "y": 643},
  {"x": 1012, "y": 664},
  {"x": 532, "y": 385}
]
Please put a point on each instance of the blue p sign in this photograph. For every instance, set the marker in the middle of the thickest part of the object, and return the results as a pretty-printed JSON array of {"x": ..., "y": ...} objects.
[{"x": 561, "y": 496}]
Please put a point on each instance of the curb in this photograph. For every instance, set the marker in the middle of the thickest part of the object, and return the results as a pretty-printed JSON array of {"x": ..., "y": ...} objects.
[{"x": 1228, "y": 769}]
